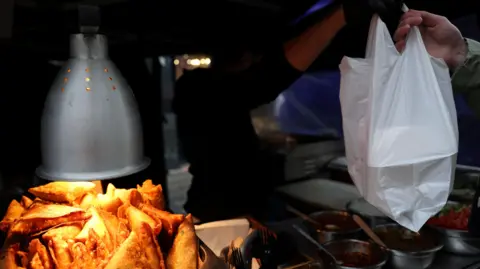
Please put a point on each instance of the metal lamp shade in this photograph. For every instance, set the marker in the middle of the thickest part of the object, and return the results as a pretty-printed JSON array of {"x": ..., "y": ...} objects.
[{"x": 91, "y": 128}]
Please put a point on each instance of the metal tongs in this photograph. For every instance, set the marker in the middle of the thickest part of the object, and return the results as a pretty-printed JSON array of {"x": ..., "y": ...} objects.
[
  {"x": 326, "y": 256},
  {"x": 241, "y": 253}
]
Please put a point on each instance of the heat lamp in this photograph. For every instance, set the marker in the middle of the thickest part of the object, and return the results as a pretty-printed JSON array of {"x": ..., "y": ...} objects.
[{"x": 91, "y": 127}]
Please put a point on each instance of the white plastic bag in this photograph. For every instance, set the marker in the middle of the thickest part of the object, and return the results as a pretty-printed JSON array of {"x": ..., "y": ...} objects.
[{"x": 400, "y": 127}]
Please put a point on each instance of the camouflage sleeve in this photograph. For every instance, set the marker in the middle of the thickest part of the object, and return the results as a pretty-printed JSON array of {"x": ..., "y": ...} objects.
[{"x": 466, "y": 79}]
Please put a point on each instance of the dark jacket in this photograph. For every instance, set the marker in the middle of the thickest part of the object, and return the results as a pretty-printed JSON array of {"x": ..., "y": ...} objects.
[{"x": 231, "y": 174}]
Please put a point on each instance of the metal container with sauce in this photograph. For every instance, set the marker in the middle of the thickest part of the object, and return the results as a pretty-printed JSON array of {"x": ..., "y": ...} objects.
[
  {"x": 356, "y": 254},
  {"x": 334, "y": 225},
  {"x": 409, "y": 249}
]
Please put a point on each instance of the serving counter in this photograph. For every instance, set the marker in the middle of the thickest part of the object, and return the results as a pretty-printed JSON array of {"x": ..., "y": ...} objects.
[
  {"x": 443, "y": 260},
  {"x": 334, "y": 193}
]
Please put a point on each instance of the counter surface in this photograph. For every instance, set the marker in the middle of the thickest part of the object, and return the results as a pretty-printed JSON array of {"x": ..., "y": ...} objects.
[{"x": 443, "y": 260}]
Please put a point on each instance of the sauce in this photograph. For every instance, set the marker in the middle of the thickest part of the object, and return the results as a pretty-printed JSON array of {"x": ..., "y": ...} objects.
[
  {"x": 354, "y": 259},
  {"x": 401, "y": 239},
  {"x": 336, "y": 222}
]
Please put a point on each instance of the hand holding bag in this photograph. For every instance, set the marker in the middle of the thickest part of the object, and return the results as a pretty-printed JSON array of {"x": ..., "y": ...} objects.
[{"x": 400, "y": 127}]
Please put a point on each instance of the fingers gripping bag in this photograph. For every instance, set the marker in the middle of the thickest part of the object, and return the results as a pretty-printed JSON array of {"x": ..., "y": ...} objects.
[{"x": 400, "y": 127}]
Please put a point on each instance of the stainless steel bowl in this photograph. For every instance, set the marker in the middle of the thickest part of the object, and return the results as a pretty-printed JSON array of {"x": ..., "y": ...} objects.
[
  {"x": 400, "y": 259},
  {"x": 325, "y": 235},
  {"x": 338, "y": 248},
  {"x": 459, "y": 242},
  {"x": 370, "y": 214}
]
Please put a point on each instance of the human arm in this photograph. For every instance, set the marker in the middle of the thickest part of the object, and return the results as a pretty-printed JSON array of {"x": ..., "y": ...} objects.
[
  {"x": 263, "y": 82},
  {"x": 466, "y": 77},
  {"x": 280, "y": 67}
]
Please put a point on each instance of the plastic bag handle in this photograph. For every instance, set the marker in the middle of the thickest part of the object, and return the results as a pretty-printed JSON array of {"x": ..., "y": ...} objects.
[
  {"x": 415, "y": 36},
  {"x": 378, "y": 31},
  {"x": 378, "y": 36}
]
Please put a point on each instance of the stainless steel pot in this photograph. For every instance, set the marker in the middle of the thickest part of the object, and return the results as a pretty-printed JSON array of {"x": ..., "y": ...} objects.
[
  {"x": 459, "y": 242},
  {"x": 91, "y": 126},
  {"x": 414, "y": 259},
  {"x": 338, "y": 248},
  {"x": 323, "y": 235}
]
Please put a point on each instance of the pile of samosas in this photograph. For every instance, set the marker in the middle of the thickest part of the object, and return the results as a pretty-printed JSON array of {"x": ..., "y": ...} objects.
[{"x": 69, "y": 225}]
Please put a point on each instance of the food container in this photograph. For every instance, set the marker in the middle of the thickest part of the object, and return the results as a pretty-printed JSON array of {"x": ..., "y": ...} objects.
[
  {"x": 372, "y": 216},
  {"x": 335, "y": 225},
  {"x": 458, "y": 241},
  {"x": 409, "y": 249},
  {"x": 356, "y": 254}
]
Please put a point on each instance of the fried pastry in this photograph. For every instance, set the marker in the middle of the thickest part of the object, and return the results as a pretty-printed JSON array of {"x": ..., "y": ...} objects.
[
  {"x": 26, "y": 202},
  {"x": 36, "y": 248},
  {"x": 87, "y": 201},
  {"x": 110, "y": 192},
  {"x": 170, "y": 222},
  {"x": 62, "y": 192},
  {"x": 135, "y": 198},
  {"x": 10, "y": 260},
  {"x": 98, "y": 249},
  {"x": 122, "y": 194},
  {"x": 82, "y": 259},
  {"x": 22, "y": 258},
  {"x": 136, "y": 217},
  {"x": 42, "y": 217},
  {"x": 14, "y": 211},
  {"x": 35, "y": 262},
  {"x": 60, "y": 253},
  {"x": 153, "y": 194},
  {"x": 109, "y": 204},
  {"x": 117, "y": 228},
  {"x": 65, "y": 233},
  {"x": 69, "y": 226},
  {"x": 96, "y": 224},
  {"x": 184, "y": 252},
  {"x": 140, "y": 250}
]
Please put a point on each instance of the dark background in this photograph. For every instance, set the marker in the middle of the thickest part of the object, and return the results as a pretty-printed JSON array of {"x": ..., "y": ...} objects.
[
  {"x": 154, "y": 27},
  {"x": 137, "y": 30}
]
